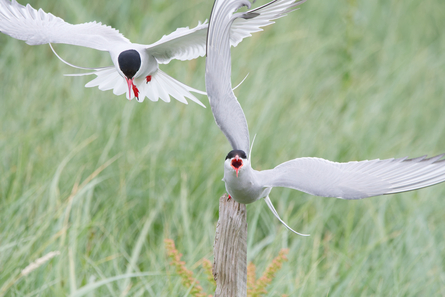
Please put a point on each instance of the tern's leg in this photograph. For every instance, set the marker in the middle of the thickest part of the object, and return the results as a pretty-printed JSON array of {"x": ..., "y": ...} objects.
[{"x": 269, "y": 203}]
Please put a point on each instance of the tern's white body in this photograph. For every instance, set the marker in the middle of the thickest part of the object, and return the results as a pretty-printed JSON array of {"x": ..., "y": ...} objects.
[
  {"x": 316, "y": 176},
  {"x": 244, "y": 188}
]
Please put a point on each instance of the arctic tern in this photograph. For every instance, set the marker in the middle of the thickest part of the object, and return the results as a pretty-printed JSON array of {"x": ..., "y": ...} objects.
[
  {"x": 136, "y": 66},
  {"x": 316, "y": 176}
]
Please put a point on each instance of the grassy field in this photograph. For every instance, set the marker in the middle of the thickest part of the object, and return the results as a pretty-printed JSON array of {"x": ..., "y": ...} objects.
[{"x": 105, "y": 181}]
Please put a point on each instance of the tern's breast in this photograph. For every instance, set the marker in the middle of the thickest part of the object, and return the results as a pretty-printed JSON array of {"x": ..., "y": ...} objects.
[{"x": 244, "y": 188}]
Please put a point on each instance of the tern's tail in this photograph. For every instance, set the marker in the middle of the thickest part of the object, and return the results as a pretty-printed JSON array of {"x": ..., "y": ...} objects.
[
  {"x": 161, "y": 85},
  {"x": 158, "y": 85},
  {"x": 269, "y": 203}
]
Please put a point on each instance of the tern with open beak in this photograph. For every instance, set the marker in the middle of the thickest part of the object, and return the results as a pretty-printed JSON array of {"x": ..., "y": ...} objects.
[
  {"x": 316, "y": 176},
  {"x": 136, "y": 66}
]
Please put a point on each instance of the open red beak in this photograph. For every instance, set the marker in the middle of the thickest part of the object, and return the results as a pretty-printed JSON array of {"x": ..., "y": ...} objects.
[{"x": 236, "y": 164}]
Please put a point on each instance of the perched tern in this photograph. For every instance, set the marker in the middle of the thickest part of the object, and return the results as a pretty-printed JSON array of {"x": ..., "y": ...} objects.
[
  {"x": 136, "y": 66},
  {"x": 316, "y": 176}
]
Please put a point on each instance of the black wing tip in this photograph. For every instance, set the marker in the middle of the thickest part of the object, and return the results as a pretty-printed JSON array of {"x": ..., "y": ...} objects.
[{"x": 250, "y": 15}]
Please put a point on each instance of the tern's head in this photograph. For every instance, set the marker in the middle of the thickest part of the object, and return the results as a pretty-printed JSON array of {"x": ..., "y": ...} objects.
[
  {"x": 130, "y": 63},
  {"x": 236, "y": 160}
]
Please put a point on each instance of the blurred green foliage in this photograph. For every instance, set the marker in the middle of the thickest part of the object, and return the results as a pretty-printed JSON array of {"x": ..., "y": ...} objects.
[{"x": 342, "y": 80}]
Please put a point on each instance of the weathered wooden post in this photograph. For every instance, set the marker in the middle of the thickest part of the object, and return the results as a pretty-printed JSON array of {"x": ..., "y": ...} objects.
[{"x": 230, "y": 249}]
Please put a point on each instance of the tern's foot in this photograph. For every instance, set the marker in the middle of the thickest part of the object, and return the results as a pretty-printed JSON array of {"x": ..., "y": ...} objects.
[
  {"x": 147, "y": 79},
  {"x": 230, "y": 197}
]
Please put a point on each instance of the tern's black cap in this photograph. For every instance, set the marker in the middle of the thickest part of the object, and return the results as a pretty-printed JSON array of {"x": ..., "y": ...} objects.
[
  {"x": 233, "y": 153},
  {"x": 129, "y": 62}
]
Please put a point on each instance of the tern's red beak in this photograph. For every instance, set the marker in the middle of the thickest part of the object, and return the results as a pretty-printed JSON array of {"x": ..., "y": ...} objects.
[
  {"x": 236, "y": 164},
  {"x": 131, "y": 86}
]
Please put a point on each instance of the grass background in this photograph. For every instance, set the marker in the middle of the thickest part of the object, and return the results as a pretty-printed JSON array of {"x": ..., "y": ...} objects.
[{"x": 342, "y": 80}]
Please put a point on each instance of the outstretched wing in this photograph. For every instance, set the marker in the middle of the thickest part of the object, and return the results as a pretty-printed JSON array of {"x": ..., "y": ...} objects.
[
  {"x": 225, "y": 29},
  {"x": 38, "y": 27},
  {"x": 355, "y": 180},
  {"x": 227, "y": 111},
  {"x": 187, "y": 44},
  {"x": 182, "y": 44}
]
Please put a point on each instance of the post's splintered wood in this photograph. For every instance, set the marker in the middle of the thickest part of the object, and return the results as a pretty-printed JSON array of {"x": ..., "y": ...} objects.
[{"x": 230, "y": 249}]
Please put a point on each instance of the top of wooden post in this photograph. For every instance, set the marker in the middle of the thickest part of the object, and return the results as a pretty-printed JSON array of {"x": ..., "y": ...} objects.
[{"x": 230, "y": 249}]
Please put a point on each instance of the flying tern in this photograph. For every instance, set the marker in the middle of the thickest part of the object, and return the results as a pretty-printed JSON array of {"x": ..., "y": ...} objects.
[
  {"x": 136, "y": 66},
  {"x": 316, "y": 176}
]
